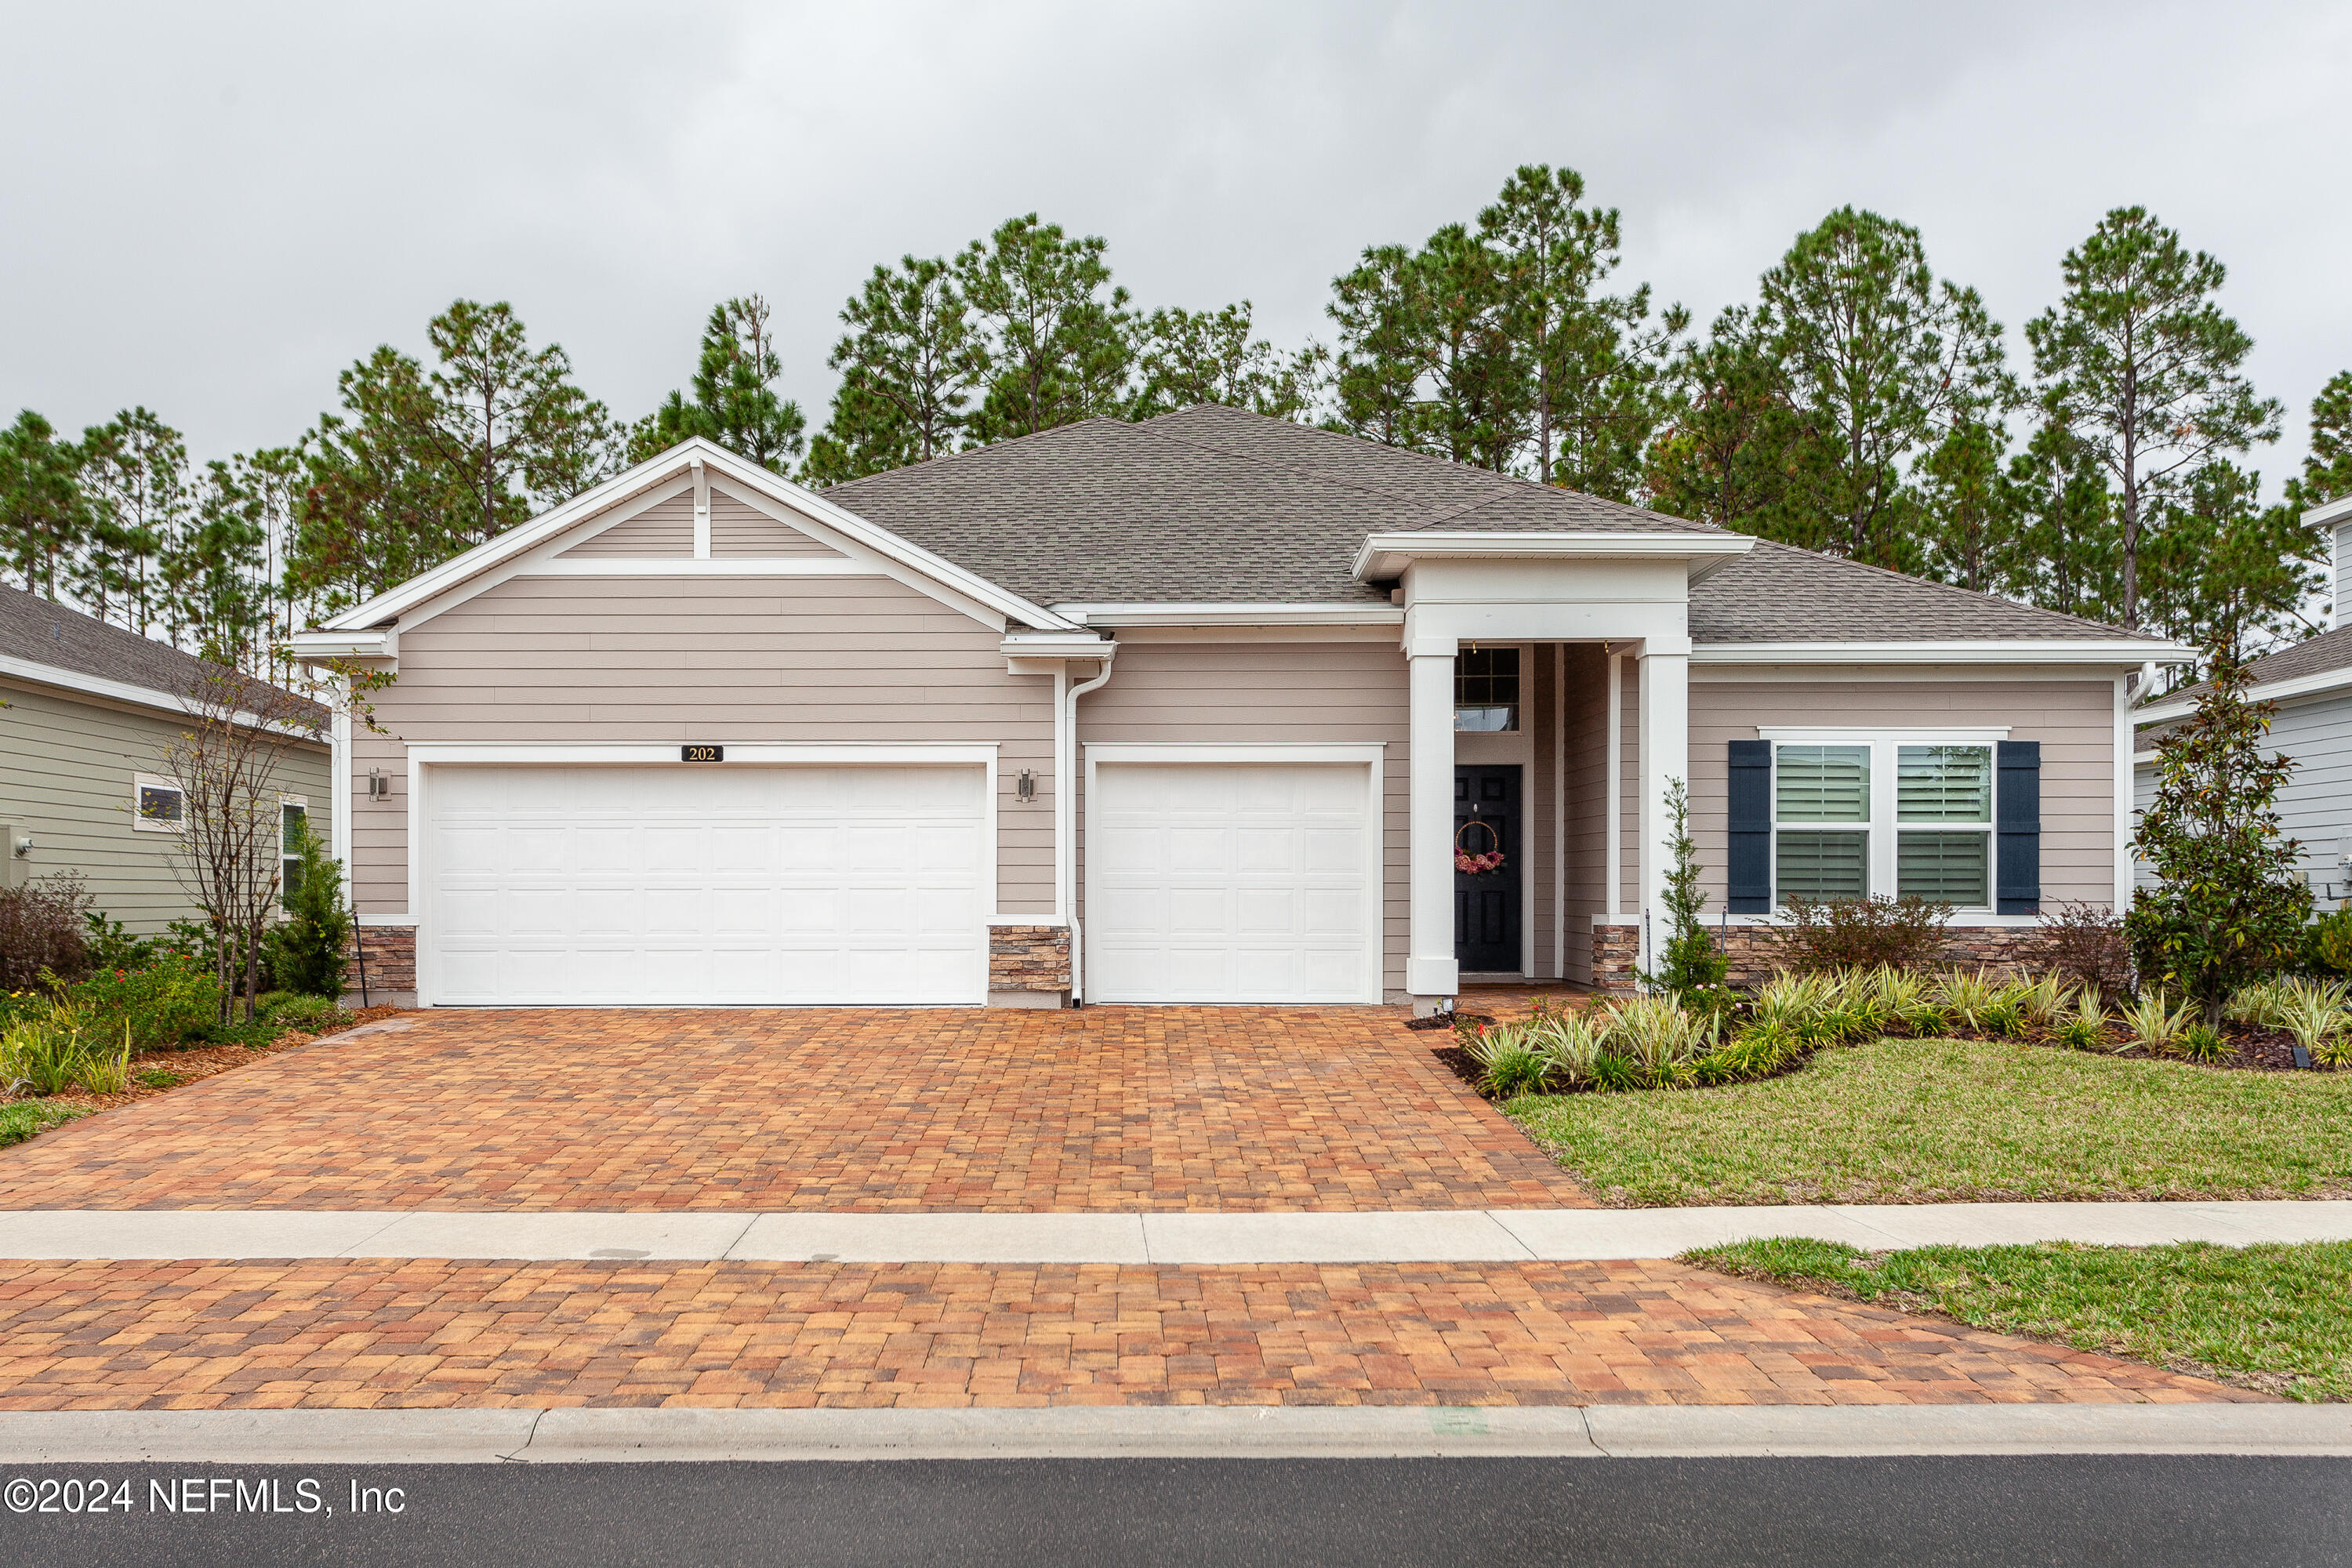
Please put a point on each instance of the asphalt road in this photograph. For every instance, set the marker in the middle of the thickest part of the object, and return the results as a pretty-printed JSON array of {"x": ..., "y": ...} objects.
[{"x": 2070, "y": 1510}]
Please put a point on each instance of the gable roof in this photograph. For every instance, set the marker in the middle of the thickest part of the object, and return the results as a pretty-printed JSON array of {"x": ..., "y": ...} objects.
[
  {"x": 39, "y": 632},
  {"x": 2319, "y": 664},
  {"x": 1217, "y": 505}
]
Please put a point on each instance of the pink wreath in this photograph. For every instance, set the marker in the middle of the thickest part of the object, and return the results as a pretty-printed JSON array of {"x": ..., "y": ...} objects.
[{"x": 1479, "y": 863}]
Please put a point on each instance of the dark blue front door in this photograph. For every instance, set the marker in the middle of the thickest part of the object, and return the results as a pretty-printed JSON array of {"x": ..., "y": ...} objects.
[{"x": 1486, "y": 903}]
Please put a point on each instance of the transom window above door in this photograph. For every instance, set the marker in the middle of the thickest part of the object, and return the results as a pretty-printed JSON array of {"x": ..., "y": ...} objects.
[
  {"x": 1899, "y": 815},
  {"x": 1486, "y": 690}
]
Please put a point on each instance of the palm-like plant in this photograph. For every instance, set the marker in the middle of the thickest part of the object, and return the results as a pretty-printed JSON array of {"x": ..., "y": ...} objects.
[
  {"x": 2312, "y": 1011},
  {"x": 2153, "y": 1025}
]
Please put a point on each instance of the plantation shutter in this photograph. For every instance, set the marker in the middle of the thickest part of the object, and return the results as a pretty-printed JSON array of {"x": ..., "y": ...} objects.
[
  {"x": 1751, "y": 827},
  {"x": 2017, "y": 877}
]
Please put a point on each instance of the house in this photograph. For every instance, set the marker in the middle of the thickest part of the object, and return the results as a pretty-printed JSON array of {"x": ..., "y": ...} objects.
[
  {"x": 2312, "y": 684},
  {"x": 83, "y": 788},
  {"x": 1202, "y": 708}
]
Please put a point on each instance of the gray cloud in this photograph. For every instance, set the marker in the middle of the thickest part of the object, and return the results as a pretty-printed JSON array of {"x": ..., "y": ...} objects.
[{"x": 212, "y": 210}]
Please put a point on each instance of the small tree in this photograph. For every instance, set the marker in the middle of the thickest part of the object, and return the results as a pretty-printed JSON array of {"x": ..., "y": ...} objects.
[
  {"x": 2229, "y": 905},
  {"x": 308, "y": 954},
  {"x": 228, "y": 764},
  {"x": 1691, "y": 968}
]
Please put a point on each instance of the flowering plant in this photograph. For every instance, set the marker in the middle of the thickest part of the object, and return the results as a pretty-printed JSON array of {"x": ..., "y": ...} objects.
[{"x": 1492, "y": 860}]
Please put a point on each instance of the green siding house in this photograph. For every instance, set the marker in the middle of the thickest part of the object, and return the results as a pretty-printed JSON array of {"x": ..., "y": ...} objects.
[{"x": 91, "y": 707}]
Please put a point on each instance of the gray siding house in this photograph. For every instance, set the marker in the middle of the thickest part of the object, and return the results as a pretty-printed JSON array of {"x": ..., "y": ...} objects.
[
  {"x": 1207, "y": 709},
  {"x": 89, "y": 710},
  {"x": 2312, "y": 684}
]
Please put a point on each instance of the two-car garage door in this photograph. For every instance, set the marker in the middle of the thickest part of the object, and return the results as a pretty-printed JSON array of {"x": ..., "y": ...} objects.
[{"x": 732, "y": 882}]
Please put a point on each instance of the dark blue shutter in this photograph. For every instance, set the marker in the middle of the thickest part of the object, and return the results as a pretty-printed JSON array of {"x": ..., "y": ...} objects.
[
  {"x": 2017, "y": 863},
  {"x": 1751, "y": 828}
]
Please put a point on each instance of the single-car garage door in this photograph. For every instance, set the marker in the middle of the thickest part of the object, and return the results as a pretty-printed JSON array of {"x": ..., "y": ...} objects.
[
  {"x": 1221, "y": 881},
  {"x": 726, "y": 882}
]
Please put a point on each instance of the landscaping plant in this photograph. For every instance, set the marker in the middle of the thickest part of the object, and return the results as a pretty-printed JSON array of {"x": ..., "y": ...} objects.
[
  {"x": 1968, "y": 998},
  {"x": 41, "y": 1056},
  {"x": 2313, "y": 1011},
  {"x": 1858, "y": 933},
  {"x": 307, "y": 948},
  {"x": 2153, "y": 1025},
  {"x": 2086, "y": 942},
  {"x": 2201, "y": 1042},
  {"x": 44, "y": 925},
  {"x": 1508, "y": 1064},
  {"x": 167, "y": 1002},
  {"x": 1692, "y": 969},
  {"x": 2230, "y": 901}
]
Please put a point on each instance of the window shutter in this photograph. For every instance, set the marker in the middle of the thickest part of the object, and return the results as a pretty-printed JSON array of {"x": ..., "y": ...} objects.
[
  {"x": 1751, "y": 828},
  {"x": 2018, "y": 861}
]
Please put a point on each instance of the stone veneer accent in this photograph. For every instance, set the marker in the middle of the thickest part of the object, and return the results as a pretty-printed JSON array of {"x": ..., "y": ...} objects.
[
  {"x": 391, "y": 953},
  {"x": 2005, "y": 950},
  {"x": 1028, "y": 958}
]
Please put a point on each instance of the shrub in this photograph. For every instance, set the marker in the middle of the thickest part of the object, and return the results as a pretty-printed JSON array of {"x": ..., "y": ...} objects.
[
  {"x": 316, "y": 1013},
  {"x": 307, "y": 951},
  {"x": 1857, "y": 934},
  {"x": 1690, "y": 969},
  {"x": 2085, "y": 1029},
  {"x": 2312, "y": 1011},
  {"x": 2263, "y": 1003},
  {"x": 1571, "y": 1045},
  {"x": 2327, "y": 944},
  {"x": 2153, "y": 1025},
  {"x": 2003, "y": 1014},
  {"x": 2201, "y": 1042},
  {"x": 2041, "y": 1002},
  {"x": 168, "y": 1001},
  {"x": 105, "y": 1069},
  {"x": 1795, "y": 1002},
  {"x": 1756, "y": 1051},
  {"x": 1508, "y": 1064},
  {"x": 1969, "y": 999},
  {"x": 41, "y": 1056},
  {"x": 2086, "y": 943},
  {"x": 44, "y": 926},
  {"x": 1657, "y": 1038},
  {"x": 111, "y": 947}
]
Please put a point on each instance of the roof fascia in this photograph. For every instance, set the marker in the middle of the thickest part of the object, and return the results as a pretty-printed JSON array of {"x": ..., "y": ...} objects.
[
  {"x": 2327, "y": 512},
  {"x": 2315, "y": 684},
  {"x": 1383, "y": 555},
  {"x": 2118, "y": 652},
  {"x": 654, "y": 474},
  {"x": 74, "y": 680},
  {"x": 1227, "y": 614}
]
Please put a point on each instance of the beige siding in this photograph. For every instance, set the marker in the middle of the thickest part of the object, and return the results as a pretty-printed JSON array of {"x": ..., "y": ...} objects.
[
  {"x": 2073, "y": 720},
  {"x": 1587, "y": 691},
  {"x": 664, "y": 528},
  {"x": 739, "y": 659},
  {"x": 737, "y": 527},
  {"x": 67, "y": 763},
  {"x": 1299, "y": 692}
]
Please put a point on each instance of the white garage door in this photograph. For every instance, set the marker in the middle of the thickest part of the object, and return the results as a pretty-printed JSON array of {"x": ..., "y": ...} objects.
[
  {"x": 725, "y": 882},
  {"x": 1231, "y": 882}
]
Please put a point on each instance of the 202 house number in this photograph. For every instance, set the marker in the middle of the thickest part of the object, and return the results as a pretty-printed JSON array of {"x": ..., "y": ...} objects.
[{"x": 702, "y": 753}]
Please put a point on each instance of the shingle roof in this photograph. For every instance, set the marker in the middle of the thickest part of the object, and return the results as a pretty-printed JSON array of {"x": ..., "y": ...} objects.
[
  {"x": 40, "y": 631},
  {"x": 1214, "y": 505},
  {"x": 2313, "y": 656}
]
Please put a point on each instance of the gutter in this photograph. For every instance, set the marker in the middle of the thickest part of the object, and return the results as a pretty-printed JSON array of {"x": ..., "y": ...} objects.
[{"x": 1066, "y": 814}]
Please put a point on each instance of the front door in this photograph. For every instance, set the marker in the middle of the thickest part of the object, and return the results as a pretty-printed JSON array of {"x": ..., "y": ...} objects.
[{"x": 1486, "y": 893}]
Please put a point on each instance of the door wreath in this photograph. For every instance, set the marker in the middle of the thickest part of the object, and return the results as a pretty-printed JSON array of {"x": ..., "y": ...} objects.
[{"x": 1482, "y": 861}]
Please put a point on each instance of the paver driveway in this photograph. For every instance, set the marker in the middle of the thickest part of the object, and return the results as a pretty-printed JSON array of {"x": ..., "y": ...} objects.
[{"x": 1106, "y": 1109}]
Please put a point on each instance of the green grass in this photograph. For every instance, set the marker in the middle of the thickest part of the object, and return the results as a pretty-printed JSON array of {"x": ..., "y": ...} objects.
[
  {"x": 2268, "y": 1317},
  {"x": 22, "y": 1118},
  {"x": 1921, "y": 1120}
]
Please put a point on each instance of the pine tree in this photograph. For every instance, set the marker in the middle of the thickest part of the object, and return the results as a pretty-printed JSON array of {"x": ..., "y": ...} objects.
[
  {"x": 1733, "y": 438},
  {"x": 1968, "y": 506},
  {"x": 1052, "y": 329},
  {"x": 134, "y": 472},
  {"x": 2224, "y": 572},
  {"x": 1184, "y": 357},
  {"x": 1380, "y": 308},
  {"x": 44, "y": 515},
  {"x": 2327, "y": 471},
  {"x": 2140, "y": 363},
  {"x": 909, "y": 364},
  {"x": 2061, "y": 551},
  {"x": 735, "y": 403}
]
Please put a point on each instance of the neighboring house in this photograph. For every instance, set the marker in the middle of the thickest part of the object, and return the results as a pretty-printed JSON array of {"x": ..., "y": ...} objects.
[
  {"x": 91, "y": 707},
  {"x": 2312, "y": 684},
  {"x": 1195, "y": 710}
]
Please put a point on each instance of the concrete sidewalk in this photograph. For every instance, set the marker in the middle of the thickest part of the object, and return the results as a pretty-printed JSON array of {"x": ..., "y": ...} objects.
[
  {"x": 1393, "y": 1237},
  {"x": 1602, "y": 1431}
]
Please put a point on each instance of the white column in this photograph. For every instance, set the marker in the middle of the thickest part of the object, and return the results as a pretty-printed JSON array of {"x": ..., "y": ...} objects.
[
  {"x": 1429, "y": 971},
  {"x": 1665, "y": 754}
]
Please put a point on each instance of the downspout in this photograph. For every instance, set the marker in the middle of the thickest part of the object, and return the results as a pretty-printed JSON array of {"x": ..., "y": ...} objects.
[{"x": 1065, "y": 814}]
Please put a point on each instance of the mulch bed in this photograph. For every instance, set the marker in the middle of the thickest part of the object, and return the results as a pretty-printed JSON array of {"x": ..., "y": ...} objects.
[
  {"x": 1446, "y": 1020},
  {"x": 193, "y": 1063}
]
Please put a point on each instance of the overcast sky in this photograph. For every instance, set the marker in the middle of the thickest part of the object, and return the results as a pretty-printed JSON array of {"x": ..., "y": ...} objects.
[{"x": 211, "y": 209}]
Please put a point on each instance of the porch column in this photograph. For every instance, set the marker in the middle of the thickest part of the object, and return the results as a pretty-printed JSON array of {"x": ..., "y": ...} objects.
[
  {"x": 1665, "y": 754},
  {"x": 1429, "y": 973}
]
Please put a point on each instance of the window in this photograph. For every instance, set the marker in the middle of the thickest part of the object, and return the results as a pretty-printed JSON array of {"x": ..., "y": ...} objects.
[
  {"x": 1889, "y": 814},
  {"x": 1486, "y": 690},
  {"x": 157, "y": 806},
  {"x": 293, "y": 813}
]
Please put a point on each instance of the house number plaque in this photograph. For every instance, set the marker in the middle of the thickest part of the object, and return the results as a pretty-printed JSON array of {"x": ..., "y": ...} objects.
[{"x": 702, "y": 753}]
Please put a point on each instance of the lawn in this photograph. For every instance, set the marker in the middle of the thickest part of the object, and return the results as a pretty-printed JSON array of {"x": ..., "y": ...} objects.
[
  {"x": 21, "y": 1119},
  {"x": 1927, "y": 1120},
  {"x": 2265, "y": 1316}
]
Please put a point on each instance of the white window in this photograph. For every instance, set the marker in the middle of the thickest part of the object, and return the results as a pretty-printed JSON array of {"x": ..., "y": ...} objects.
[
  {"x": 1905, "y": 813},
  {"x": 293, "y": 810},
  {"x": 157, "y": 806}
]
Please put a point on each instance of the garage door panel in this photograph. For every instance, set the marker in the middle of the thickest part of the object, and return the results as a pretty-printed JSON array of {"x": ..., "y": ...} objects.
[
  {"x": 1231, "y": 882},
  {"x": 753, "y": 883}
]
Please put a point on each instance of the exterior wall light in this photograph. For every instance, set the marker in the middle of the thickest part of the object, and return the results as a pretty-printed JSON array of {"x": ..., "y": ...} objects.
[{"x": 1025, "y": 787}]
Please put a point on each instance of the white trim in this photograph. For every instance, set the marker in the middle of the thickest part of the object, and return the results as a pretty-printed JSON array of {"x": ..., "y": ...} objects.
[
  {"x": 2312, "y": 685},
  {"x": 2125, "y": 872},
  {"x": 701, "y": 507},
  {"x": 139, "y": 784},
  {"x": 2326, "y": 512},
  {"x": 1383, "y": 555},
  {"x": 1962, "y": 920},
  {"x": 1367, "y": 755},
  {"x": 1146, "y": 613},
  {"x": 1614, "y": 829},
  {"x": 312, "y": 647},
  {"x": 339, "y": 809},
  {"x": 402, "y": 918},
  {"x": 2134, "y": 651},
  {"x": 124, "y": 691},
  {"x": 1908, "y": 674},
  {"x": 1000, "y": 918},
  {"x": 1929, "y": 735},
  {"x": 1055, "y": 645},
  {"x": 423, "y": 757},
  {"x": 701, "y": 566},
  {"x": 1559, "y": 815},
  {"x": 1385, "y": 634},
  {"x": 756, "y": 485}
]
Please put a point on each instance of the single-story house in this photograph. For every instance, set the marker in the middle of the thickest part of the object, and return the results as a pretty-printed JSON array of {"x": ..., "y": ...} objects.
[
  {"x": 1210, "y": 708},
  {"x": 2312, "y": 684},
  {"x": 83, "y": 789}
]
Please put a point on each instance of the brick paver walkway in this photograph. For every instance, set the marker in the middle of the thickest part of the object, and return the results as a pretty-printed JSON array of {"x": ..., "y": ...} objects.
[
  {"x": 1106, "y": 1109},
  {"x": 209, "y": 1335}
]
